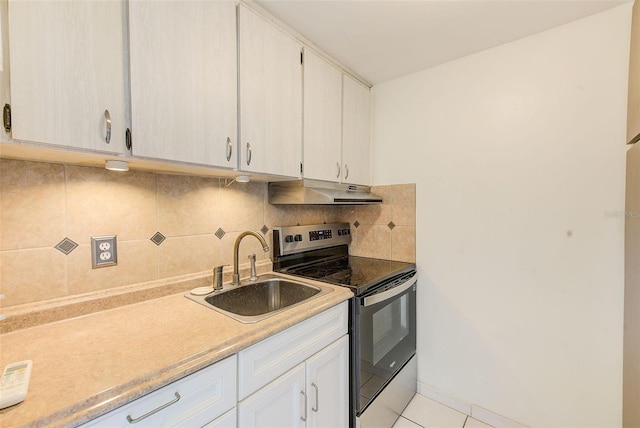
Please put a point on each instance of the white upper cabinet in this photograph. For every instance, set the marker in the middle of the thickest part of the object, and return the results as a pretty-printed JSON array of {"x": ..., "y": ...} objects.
[
  {"x": 183, "y": 81},
  {"x": 356, "y": 132},
  {"x": 322, "y": 119},
  {"x": 4, "y": 65},
  {"x": 270, "y": 98},
  {"x": 68, "y": 73},
  {"x": 337, "y": 119}
]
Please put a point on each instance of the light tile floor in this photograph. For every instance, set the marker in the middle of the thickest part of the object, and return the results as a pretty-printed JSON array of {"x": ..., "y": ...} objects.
[{"x": 426, "y": 413}]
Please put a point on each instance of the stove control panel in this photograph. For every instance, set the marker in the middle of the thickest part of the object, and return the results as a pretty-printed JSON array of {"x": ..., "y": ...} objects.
[
  {"x": 294, "y": 239},
  {"x": 315, "y": 235}
]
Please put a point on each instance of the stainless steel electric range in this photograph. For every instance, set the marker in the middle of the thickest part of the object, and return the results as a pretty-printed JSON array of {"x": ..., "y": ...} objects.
[{"x": 382, "y": 315}]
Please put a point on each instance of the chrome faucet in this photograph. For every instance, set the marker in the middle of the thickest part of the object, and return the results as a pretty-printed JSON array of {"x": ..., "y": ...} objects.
[{"x": 236, "y": 248}]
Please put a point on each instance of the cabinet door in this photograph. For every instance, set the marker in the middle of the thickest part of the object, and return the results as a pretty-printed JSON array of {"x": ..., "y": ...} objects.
[
  {"x": 356, "y": 132},
  {"x": 322, "y": 136},
  {"x": 5, "y": 97},
  {"x": 67, "y": 70},
  {"x": 183, "y": 80},
  {"x": 328, "y": 386},
  {"x": 280, "y": 403},
  {"x": 270, "y": 98}
]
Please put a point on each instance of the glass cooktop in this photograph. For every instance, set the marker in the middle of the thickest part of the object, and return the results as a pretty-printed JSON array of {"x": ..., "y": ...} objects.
[{"x": 358, "y": 273}]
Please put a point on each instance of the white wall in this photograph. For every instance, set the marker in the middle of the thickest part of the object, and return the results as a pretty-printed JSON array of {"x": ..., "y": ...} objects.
[{"x": 518, "y": 156}]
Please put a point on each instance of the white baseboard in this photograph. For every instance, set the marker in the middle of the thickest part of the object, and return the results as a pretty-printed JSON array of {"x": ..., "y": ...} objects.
[
  {"x": 493, "y": 419},
  {"x": 476, "y": 412},
  {"x": 444, "y": 398}
]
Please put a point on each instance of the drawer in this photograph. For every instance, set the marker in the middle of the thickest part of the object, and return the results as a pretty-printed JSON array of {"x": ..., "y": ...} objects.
[
  {"x": 192, "y": 401},
  {"x": 266, "y": 360}
]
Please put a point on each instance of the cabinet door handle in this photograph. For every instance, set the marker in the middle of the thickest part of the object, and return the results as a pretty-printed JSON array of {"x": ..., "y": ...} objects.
[
  {"x": 338, "y": 165},
  {"x": 229, "y": 149},
  {"x": 346, "y": 171},
  {"x": 315, "y": 409},
  {"x": 304, "y": 418},
  {"x": 107, "y": 118},
  {"x": 248, "y": 154},
  {"x": 127, "y": 139},
  {"x": 156, "y": 410},
  {"x": 6, "y": 117}
]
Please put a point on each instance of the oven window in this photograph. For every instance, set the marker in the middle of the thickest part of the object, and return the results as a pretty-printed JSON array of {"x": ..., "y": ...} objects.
[{"x": 390, "y": 327}]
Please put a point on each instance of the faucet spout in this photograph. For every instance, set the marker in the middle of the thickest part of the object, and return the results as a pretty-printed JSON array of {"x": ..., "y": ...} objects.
[{"x": 236, "y": 250}]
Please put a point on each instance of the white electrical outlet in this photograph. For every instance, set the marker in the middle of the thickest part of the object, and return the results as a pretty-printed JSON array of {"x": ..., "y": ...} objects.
[{"x": 103, "y": 251}]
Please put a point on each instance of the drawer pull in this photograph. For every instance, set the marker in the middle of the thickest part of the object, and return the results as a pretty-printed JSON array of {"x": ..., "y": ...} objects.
[{"x": 146, "y": 415}]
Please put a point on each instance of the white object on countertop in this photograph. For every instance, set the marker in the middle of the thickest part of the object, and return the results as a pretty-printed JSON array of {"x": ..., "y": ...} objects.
[
  {"x": 201, "y": 291},
  {"x": 15, "y": 383}
]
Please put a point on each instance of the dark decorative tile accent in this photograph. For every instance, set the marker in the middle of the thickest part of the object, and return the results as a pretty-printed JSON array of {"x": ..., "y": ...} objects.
[
  {"x": 356, "y": 223},
  {"x": 158, "y": 238},
  {"x": 264, "y": 229},
  {"x": 220, "y": 233},
  {"x": 391, "y": 225},
  {"x": 66, "y": 246}
]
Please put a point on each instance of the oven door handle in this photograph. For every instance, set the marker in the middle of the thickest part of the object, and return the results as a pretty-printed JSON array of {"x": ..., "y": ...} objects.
[{"x": 388, "y": 294}]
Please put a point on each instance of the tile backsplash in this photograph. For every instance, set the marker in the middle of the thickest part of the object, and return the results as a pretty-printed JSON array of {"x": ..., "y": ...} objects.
[{"x": 41, "y": 204}]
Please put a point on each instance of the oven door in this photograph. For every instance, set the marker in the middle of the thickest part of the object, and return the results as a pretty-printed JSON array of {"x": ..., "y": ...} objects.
[{"x": 384, "y": 336}]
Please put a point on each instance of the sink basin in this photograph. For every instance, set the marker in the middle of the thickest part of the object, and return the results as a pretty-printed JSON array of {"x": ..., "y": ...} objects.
[{"x": 254, "y": 301}]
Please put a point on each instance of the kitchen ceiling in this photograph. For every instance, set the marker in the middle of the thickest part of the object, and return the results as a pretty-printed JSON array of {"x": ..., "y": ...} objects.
[{"x": 383, "y": 40}]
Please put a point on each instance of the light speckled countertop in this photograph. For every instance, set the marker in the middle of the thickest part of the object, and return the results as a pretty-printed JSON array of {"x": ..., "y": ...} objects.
[{"x": 88, "y": 365}]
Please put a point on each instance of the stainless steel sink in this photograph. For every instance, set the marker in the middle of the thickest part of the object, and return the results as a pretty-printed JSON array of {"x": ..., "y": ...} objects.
[{"x": 254, "y": 301}]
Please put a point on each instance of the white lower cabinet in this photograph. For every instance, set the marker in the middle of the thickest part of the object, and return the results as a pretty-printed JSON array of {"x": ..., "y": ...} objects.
[
  {"x": 298, "y": 377},
  {"x": 195, "y": 400},
  {"x": 279, "y": 404},
  {"x": 327, "y": 375},
  {"x": 312, "y": 394}
]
